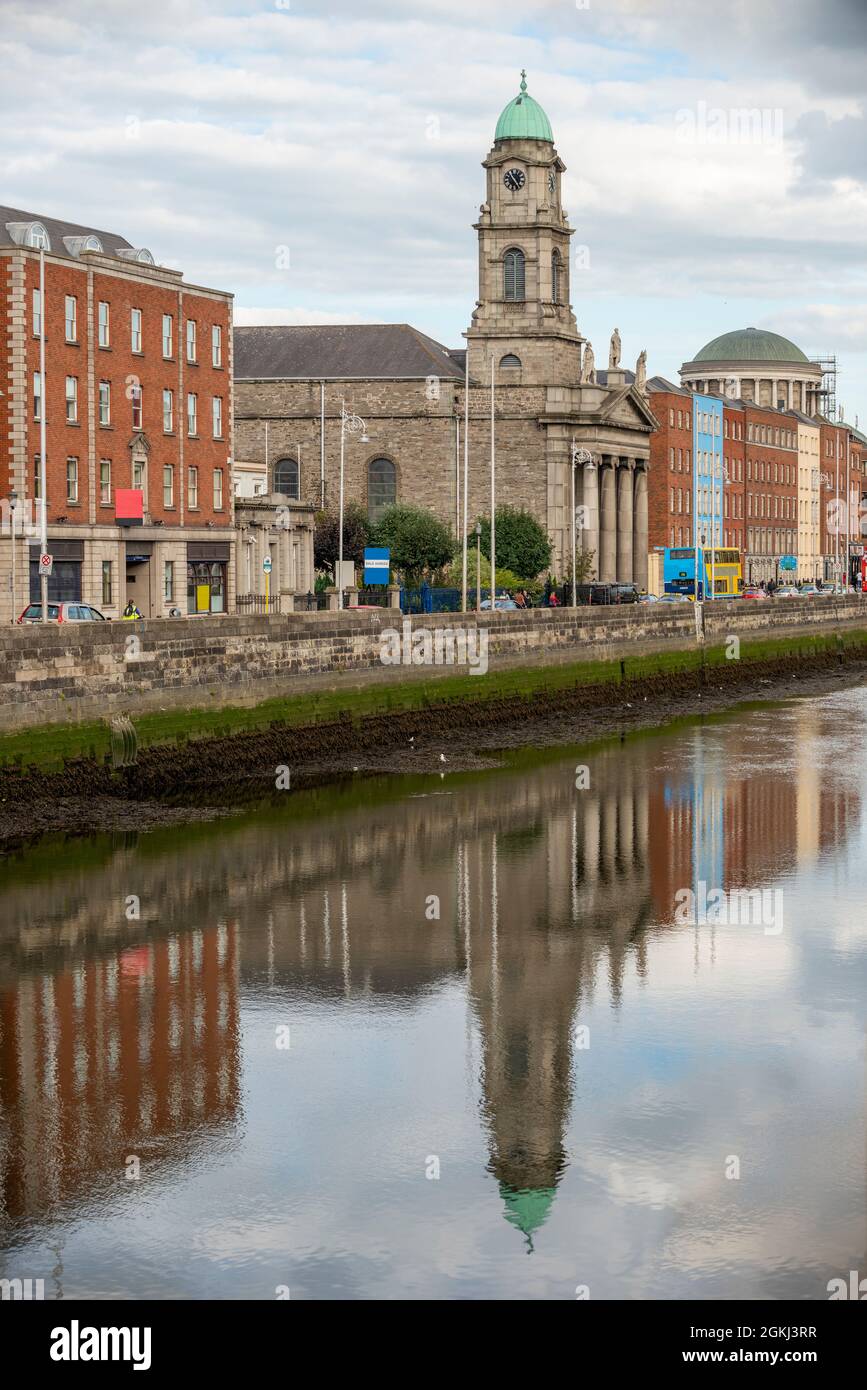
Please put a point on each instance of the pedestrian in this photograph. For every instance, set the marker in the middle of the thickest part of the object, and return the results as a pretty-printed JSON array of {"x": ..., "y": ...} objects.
[{"x": 131, "y": 612}]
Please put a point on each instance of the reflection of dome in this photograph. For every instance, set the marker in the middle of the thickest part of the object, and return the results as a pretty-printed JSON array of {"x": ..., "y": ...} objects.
[
  {"x": 527, "y": 1207},
  {"x": 523, "y": 119},
  {"x": 750, "y": 345}
]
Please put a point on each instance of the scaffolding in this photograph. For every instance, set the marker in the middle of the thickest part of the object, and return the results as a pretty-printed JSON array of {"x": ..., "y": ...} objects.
[{"x": 828, "y": 390}]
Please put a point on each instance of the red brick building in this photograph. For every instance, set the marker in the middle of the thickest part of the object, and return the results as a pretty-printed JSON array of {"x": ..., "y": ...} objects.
[{"x": 138, "y": 420}]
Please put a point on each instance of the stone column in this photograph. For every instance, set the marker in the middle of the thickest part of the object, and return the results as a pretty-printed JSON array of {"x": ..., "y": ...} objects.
[
  {"x": 590, "y": 502},
  {"x": 287, "y": 579},
  {"x": 624, "y": 523},
  {"x": 262, "y": 550},
  {"x": 607, "y": 522},
  {"x": 640, "y": 538},
  {"x": 240, "y": 561}
]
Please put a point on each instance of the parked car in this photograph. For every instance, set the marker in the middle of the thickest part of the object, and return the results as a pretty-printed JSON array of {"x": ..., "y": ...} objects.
[
  {"x": 751, "y": 591},
  {"x": 787, "y": 591},
  {"x": 502, "y": 604},
  {"x": 808, "y": 589},
  {"x": 674, "y": 598},
  {"x": 63, "y": 613},
  {"x": 648, "y": 598}
]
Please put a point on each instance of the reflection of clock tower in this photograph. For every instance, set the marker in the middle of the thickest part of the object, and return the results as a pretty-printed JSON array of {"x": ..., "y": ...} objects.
[{"x": 523, "y": 316}]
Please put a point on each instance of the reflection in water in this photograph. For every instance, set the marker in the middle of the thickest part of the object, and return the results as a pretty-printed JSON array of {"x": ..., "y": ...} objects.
[{"x": 611, "y": 1059}]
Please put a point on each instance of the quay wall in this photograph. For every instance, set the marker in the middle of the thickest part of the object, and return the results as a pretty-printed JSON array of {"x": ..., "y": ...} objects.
[{"x": 82, "y": 672}]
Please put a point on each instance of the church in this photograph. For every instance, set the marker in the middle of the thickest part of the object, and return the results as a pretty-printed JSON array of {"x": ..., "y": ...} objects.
[{"x": 393, "y": 404}]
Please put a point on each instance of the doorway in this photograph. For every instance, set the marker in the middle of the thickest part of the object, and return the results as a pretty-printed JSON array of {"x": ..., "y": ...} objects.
[{"x": 138, "y": 578}]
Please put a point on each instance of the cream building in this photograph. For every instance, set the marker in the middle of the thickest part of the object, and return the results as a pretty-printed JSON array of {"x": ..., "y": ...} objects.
[{"x": 809, "y": 520}]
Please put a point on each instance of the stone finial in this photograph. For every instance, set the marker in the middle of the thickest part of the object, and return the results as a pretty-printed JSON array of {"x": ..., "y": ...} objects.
[{"x": 523, "y": 79}]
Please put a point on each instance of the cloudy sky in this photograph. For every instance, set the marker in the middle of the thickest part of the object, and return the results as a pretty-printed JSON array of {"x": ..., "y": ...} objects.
[{"x": 321, "y": 158}]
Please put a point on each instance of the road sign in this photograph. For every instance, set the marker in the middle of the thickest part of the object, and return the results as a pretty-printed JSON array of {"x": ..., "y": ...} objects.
[
  {"x": 788, "y": 562},
  {"x": 376, "y": 564},
  {"x": 46, "y": 564},
  {"x": 267, "y": 565}
]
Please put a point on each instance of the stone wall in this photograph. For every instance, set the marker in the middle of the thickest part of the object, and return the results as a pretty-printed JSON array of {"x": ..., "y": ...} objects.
[{"x": 87, "y": 672}]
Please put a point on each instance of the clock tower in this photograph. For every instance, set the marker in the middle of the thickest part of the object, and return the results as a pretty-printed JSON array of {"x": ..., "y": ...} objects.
[{"x": 523, "y": 318}]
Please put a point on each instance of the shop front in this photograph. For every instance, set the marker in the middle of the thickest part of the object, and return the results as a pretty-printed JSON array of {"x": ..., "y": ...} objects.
[
  {"x": 207, "y": 576},
  {"x": 64, "y": 583}
]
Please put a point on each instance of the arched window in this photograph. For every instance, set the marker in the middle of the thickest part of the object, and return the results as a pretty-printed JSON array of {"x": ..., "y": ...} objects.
[
  {"x": 37, "y": 237},
  {"x": 513, "y": 274},
  {"x": 556, "y": 268},
  {"x": 287, "y": 480},
  {"x": 381, "y": 487},
  {"x": 511, "y": 361}
]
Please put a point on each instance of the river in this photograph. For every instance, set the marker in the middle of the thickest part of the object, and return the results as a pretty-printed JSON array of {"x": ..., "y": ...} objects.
[{"x": 451, "y": 1036}]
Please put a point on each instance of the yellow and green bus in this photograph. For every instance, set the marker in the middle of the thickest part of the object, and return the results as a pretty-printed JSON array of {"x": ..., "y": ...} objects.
[{"x": 721, "y": 570}]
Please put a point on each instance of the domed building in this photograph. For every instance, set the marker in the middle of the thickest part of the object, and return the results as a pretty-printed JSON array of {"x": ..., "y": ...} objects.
[{"x": 756, "y": 365}]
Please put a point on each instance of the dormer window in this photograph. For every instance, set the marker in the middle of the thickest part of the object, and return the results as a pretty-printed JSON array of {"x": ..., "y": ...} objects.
[
  {"x": 75, "y": 245},
  {"x": 136, "y": 253},
  {"x": 31, "y": 234}
]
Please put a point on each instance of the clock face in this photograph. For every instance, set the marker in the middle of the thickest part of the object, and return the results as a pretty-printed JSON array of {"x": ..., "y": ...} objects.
[
  {"x": 514, "y": 179},
  {"x": 552, "y": 181}
]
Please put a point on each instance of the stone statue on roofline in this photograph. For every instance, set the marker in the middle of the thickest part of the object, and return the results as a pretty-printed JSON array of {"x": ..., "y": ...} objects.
[
  {"x": 641, "y": 372},
  {"x": 614, "y": 352},
  {"x": 588, "y": 367}
]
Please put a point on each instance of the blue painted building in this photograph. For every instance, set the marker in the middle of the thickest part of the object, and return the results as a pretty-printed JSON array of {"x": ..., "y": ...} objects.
[{"x": 707, "y": 472}]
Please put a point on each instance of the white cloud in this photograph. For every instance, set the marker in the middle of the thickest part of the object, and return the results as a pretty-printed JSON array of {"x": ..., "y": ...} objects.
[{"x": 222, "y": 131}]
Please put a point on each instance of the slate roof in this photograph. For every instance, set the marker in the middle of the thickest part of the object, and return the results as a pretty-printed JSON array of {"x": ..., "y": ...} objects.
[
  {"x": 660, "y": 384},
  {"x": 340, "y": 352},
  {"x": 57, "y": 230}
]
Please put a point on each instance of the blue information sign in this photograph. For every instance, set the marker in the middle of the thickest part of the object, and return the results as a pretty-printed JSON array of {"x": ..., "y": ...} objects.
[
  {"x": 788, "y": 562},
  {"x": 376, "y": 565}
]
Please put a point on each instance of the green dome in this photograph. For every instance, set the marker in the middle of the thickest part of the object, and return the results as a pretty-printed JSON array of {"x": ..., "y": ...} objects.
[
  {"x": 527, "y": 1207},
  {"x": 523, "y": 119},
  {"x": 750, "y": 345}
]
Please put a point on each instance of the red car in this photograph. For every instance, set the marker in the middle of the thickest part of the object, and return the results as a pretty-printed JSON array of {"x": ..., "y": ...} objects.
[{"x": 752, "y": 592}]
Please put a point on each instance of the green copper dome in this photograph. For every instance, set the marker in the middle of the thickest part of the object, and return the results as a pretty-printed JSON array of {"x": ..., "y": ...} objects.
[
  {"x": 523, "y": 119},
  {"x": 750, "y": 345}
]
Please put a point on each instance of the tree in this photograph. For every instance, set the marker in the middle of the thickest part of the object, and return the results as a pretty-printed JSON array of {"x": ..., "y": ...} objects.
[
  {"x": 326, "y": 537},
  {"x": 522, "y": 543},
  {"x": 419, "y": 543}
]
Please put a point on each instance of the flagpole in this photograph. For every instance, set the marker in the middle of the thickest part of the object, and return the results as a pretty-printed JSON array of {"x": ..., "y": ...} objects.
[
  {"x": 493, "y": 499},
  {"x": 43, "y": 471},
  {"x": 466, "y": 479}
]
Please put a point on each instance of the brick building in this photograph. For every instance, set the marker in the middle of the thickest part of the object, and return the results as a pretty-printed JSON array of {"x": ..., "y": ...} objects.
[
  {"x": 794, "y": 484},
  {"x": 138, "y": 419},
  {"x": 291, "y": 385}
]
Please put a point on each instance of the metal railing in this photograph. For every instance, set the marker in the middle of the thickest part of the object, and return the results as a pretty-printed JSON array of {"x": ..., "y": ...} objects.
[{"x": 257, "y": 603}]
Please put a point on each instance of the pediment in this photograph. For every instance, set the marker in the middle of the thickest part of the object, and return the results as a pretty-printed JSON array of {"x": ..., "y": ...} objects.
[
  {"x": 139, "y": 444},
  {"x": 627, "y": 407}
]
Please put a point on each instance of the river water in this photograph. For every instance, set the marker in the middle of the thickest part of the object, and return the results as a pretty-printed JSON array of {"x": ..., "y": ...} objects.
[{"x": 451, "y": 1036}]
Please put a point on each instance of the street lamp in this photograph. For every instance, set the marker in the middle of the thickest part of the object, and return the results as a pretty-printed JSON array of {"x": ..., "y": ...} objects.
[
  {"x": 582, "y": 456},
  {"x": 350, "y": 423},
  {"x": 479, "y": 568},
  {"x": 13, "y": 503}
]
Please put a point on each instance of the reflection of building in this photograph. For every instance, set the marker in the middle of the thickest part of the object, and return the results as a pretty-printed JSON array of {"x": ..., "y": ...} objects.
[
  {"x": 549, "y": 895},
  {"x": 129, "y": 1052}
]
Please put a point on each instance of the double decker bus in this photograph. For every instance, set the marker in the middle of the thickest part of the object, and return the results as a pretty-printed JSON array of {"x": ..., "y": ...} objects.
[{"x": 719, "y": 568}]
